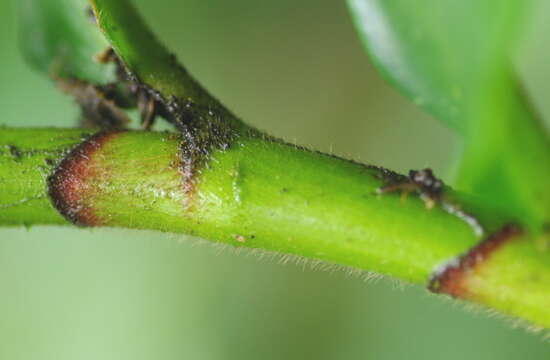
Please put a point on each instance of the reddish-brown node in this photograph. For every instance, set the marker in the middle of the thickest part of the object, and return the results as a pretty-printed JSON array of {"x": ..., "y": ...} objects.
[
  {"x": 452, "y": 278},
  {"x": 69, "y": 186}
]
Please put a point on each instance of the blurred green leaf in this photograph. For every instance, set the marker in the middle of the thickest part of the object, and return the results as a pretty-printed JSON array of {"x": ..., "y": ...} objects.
[
  {"x": 61, "y": 38},
  {"x": 454, "y": 58},
  {"x": 440, "y": 52}
]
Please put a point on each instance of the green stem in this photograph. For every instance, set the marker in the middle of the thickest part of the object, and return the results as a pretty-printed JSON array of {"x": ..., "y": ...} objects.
[{"x": 272, "y": 196}]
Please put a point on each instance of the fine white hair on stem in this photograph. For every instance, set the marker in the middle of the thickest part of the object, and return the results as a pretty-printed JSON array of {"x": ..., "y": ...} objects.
[{"x": 306, "y": 264}]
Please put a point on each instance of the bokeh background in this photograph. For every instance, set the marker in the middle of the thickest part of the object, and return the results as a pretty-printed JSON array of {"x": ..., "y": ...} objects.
[{"x": 297, "y": 70}]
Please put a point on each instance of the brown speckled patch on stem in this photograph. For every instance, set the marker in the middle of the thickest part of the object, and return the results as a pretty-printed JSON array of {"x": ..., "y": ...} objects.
[
  {"x": 205, "y": 124},
  {"x": 69, "y": 184},
  {"x": 452, "y": 277}
]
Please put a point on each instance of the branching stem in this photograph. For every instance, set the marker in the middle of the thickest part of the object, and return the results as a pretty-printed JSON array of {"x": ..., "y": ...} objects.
[{"x": 221, "y": 180}]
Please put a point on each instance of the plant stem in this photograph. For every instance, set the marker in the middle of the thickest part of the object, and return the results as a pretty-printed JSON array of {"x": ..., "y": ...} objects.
[{"x": 271, "y": 196}]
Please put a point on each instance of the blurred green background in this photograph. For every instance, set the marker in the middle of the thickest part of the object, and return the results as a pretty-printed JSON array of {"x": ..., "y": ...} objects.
[{"x": 297, "y": 70}]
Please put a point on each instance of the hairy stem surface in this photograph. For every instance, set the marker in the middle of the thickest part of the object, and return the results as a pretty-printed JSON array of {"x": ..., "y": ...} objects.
[{"x": 268, "y": 195}]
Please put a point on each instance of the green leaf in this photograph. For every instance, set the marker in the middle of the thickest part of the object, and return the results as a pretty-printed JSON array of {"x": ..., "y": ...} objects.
[
  {"x": 440, "y": 53},
  {"x": 61, "y": 38},
  {"x": 454, "y": 58}
]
